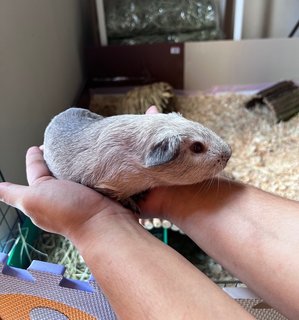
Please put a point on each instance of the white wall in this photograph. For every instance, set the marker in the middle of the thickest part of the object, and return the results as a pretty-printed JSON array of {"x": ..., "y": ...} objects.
[
  {"x": 265, "y": 54},
  {"x": 269, "y": 18},
  {"x": 41, "y": 72},
  {"x": 245, "y": 62},
  {"x": 266, "y": 18}
]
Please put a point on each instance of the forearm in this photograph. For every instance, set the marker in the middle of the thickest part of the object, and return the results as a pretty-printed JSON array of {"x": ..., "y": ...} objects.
[
  {"x": 145, "y": 279},
  {"x": 253, "y": 234}
]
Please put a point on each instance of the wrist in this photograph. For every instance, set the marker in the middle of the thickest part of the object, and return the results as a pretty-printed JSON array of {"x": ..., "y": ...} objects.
[
  {"x": 179, "y": 203},
  {"x": 101, "y": 229},
  {"x": 173, "y": 203}
]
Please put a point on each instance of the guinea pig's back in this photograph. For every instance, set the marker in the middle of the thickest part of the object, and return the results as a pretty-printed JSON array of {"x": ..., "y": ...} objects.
[
  {"x": 70, "y": 122},
  {"x": 65, "y": 139}
]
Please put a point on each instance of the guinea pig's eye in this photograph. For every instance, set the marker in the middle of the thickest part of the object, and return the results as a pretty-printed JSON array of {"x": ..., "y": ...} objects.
[{"x": 197, "y": 147}]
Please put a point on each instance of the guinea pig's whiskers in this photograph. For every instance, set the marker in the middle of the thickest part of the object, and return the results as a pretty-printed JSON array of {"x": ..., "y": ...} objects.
[
  {"x": 202, "y": 187},
  {"x": 218, "y": 183}
]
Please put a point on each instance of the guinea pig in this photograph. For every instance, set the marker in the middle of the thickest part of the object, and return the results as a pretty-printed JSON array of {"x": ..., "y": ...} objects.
[{"x": 124, "y": 155}]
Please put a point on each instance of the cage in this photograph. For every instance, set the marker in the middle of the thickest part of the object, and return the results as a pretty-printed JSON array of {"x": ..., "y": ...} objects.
[
  {"x": 16, "y": 229},
  {"x": 11, "y": 220},
  {"x": 17, "y": 234}
]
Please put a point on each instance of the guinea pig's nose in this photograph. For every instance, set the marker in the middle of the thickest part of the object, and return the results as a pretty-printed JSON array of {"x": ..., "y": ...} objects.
[{"x": 226, "y": 153}]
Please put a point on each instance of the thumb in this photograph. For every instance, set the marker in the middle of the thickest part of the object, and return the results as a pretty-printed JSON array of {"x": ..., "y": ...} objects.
[
  {"x": 152, "y": 110},
  {"x": 12, "y": 194}
]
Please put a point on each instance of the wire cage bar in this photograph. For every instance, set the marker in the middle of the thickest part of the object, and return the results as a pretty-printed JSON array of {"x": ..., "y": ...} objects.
[{"x": 10, "y": 221}]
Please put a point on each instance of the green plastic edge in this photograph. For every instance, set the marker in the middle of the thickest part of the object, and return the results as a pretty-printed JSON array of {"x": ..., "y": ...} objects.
[{"x": 165, "y": 235}]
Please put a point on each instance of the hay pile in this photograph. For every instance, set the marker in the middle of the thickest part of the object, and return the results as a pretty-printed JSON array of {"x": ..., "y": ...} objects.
[
  {"x": 57, "y": 249},
  {"x": 136, "y": 100}
]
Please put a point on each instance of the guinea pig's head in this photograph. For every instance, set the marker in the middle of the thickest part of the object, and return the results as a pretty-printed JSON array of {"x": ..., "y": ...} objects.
[{"x": 184, "y": 152}]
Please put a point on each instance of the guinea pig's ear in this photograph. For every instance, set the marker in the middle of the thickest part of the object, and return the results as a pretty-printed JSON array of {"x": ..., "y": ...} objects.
[{"x": 164, "y": 151}]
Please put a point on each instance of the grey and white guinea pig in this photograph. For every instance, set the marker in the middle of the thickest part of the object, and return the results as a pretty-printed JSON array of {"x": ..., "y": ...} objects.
[{"x": 124, "y": 155}]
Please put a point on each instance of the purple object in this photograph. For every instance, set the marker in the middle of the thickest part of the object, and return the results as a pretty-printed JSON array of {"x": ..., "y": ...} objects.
[{"x": 46, "y": 280}]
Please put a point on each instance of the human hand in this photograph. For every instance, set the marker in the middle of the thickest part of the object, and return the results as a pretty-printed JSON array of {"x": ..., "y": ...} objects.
[{"x": 57, "y": 206}]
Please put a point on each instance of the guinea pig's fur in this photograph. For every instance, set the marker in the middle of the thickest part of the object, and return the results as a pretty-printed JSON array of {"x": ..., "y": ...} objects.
[{"x": 126, "y": 154}]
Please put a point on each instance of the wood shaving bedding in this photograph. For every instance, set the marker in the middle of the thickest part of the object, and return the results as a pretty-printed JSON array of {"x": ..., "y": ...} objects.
[{"x": 265, "y": 153}]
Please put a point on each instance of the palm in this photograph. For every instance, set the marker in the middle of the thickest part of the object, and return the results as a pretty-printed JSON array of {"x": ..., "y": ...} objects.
[{"x": 48, "y": 200}]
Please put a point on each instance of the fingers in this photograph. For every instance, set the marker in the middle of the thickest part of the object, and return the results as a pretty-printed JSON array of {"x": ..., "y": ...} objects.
[
  {"x": 36, "y": 167},
  {"x": 152, "y": 110},
  {"x": 12, "y": 194}
]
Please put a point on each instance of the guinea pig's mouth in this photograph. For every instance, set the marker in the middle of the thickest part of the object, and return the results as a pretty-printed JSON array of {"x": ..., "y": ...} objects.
[
  {"x": 218, "y": 166},
  {"x": 224, "y": 157}
]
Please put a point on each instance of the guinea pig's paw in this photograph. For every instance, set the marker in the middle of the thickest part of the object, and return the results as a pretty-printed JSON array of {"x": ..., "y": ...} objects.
[
  {"x": 130, "y": 204},
  {"x": 139, "y": 196}
]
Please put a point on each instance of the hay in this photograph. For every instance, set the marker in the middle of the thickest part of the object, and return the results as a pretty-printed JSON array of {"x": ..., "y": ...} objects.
[
  {"x": 60, "y": 250},
  {"x": 136, "y": 100}
]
